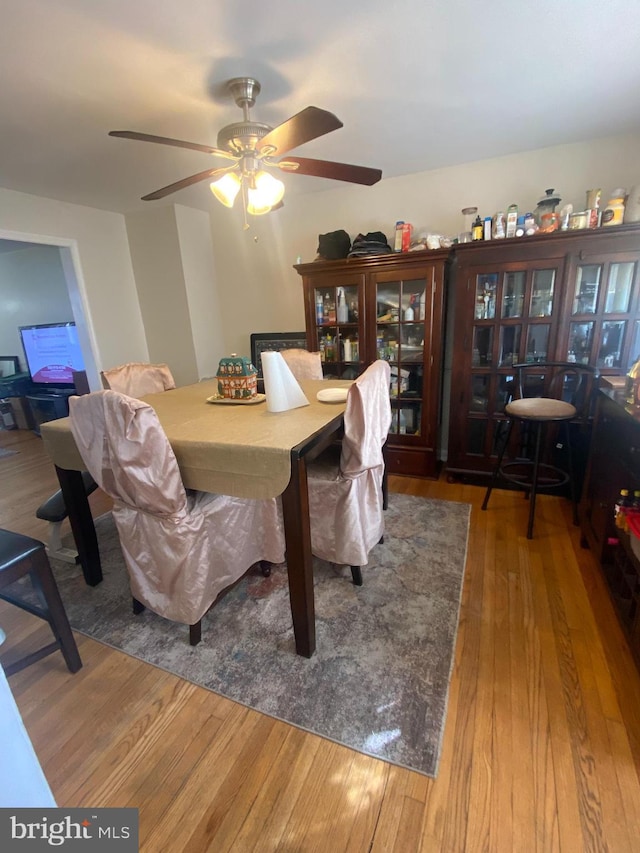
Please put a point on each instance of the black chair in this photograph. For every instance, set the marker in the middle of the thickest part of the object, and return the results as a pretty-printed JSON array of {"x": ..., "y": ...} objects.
[
  {"x": 547, "y": 393},
  {"x": 21, "y": 556}
]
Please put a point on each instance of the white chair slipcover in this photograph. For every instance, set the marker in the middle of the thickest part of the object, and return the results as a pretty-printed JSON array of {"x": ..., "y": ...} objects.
[
  {"x": 181, "y": 548},
  {"x": 303, "y": 364},
  {"x": 345, "y": 492},
  {"x": 138, "y": 378}
]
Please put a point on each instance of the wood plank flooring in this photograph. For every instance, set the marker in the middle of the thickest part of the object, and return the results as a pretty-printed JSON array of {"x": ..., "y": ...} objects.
[{"x": 541, "y": 749}]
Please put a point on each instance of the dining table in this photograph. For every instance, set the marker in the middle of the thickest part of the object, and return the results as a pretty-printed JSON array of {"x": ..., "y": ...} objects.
[{"x": 232, "y": 448}]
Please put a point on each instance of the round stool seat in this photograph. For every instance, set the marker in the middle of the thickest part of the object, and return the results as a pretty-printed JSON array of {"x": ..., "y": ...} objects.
[{"x": 540, "y": 409}]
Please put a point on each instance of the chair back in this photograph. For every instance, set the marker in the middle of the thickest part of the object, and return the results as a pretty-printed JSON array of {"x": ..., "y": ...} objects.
[
  {"x": 303, "y": 364},
  {"x": 127, "y": 452},
  {"x": 138, "y": 378},
  {"x": 367, "y": 419},
  {"x": 559, "y": 380}
]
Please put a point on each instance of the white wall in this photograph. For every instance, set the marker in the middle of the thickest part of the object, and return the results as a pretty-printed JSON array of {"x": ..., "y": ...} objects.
[
  {"x": 99, "y": 249},
  {"x": 33, "y": 289},
  {"x": 194, "y": 235},
  {"x": 158, "y": 270}
]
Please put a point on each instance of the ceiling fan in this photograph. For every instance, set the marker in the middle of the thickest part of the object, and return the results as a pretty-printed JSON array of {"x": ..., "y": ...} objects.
[{"x": 252, "y": 145}]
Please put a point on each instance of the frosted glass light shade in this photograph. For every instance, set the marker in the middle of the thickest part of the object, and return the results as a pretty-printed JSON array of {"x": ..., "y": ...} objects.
[
  {"x": 266, "y": 192},
  {"x": 226, "y": 188}
]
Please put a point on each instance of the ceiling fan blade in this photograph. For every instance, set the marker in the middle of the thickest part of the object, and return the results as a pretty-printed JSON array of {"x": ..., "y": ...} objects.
[
  {"x": 328, "y": 169},
  {"x": 178, "y": 143},
  {"x": 304, "y": 126},
  {"x": 186, "y": 182}
]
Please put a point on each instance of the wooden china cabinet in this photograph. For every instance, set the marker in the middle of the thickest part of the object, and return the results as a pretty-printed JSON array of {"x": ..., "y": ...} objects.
[
  {"x": 391, "y": 307},
  {"x": 567, "y": 296}
]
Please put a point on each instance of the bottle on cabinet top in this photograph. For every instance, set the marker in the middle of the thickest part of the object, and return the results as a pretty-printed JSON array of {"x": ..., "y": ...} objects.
[{"x": 397, "y": 246}]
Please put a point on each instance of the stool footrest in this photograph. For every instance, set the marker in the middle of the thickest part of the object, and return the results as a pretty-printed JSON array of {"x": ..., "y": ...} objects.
[{"x": 549, "y": 476}]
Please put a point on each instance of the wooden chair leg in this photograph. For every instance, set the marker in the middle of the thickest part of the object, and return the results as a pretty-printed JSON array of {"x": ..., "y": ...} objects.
[
  {"x": 356, "y": 574},
  {"x": 195, "y": 633}
]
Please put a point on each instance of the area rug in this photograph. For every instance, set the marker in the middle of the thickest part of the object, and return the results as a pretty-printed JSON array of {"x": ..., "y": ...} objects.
[{"x": 379, "y": 680}]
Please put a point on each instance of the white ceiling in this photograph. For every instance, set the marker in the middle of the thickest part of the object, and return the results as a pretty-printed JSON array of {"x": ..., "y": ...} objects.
[{"x": 418, "y": 84}]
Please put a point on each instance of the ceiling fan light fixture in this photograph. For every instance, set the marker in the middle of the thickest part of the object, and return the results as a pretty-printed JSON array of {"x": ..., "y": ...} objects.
[
  {"x": 226, "y": 188},
  {"x": 263, "y": 193}
]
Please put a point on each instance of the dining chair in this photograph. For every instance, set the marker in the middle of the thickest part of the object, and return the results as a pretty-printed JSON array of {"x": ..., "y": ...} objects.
[
  {"x": 546, "y": 394},
  {"x": 21, "y": 557},
  {"x": 345, "y": 483},
  {"x": 135, "y": 379},
  {"x": 303, "y": 364},
  {"x": 182, "y": 548}
]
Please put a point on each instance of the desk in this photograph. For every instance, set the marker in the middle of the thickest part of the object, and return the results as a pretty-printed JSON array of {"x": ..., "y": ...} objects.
[{"x": 241, "y": 450}]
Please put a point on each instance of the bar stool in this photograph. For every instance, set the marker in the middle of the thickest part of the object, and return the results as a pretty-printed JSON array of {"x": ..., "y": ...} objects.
[
  {"x": 550, "y": 392},
  {"x": 19, "y": 556}
]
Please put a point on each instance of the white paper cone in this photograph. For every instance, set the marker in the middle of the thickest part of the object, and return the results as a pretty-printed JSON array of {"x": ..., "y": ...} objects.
[{"x": 280, "y": 385}]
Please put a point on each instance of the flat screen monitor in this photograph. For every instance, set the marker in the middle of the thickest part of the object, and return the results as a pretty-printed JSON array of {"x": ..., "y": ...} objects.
[{"x": 53, "y": 352}]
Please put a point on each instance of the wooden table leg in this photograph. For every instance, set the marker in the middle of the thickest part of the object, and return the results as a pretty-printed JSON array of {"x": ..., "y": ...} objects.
[
  {"x": 297, "y": 531},
  {"x": 81, "y": 520}
]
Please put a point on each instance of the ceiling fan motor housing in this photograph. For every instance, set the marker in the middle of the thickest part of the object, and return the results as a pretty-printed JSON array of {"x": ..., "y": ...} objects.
[{"x": 242, "y": 136}]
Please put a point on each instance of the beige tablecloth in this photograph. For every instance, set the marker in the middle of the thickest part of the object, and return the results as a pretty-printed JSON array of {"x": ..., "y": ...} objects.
[{"x": 241, "y": 450}]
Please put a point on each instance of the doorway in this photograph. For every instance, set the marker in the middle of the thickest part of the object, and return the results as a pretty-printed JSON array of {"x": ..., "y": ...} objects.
[{"x": 67, "y": 292}]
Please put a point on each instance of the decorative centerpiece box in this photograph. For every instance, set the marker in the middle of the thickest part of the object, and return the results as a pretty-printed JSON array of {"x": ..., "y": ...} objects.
[{"x": 237, "y": 378}]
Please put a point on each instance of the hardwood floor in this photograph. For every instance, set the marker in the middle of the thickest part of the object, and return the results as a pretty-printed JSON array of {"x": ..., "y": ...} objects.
[{"x": 541, "y": 748}]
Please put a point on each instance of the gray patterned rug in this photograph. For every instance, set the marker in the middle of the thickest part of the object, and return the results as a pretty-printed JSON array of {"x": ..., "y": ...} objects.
[{"x": 379, "y": 680}]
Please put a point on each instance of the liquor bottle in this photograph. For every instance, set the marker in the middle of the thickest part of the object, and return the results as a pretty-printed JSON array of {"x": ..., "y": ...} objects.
[
  {"x": 477, "y": 229},
  {"x": 319, "y": 309}
]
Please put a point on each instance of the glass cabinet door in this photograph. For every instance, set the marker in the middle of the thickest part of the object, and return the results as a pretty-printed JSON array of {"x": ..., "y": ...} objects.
[
  {"x": 338, "y": 328},
  {"x": 511, "y": 323},
  {"x": 402, "y": 307},
  {"x": 513, "y": 291},
  {"x": 619, "y": 288},
  {"x": 602, "y": 331},
  {"x": 543, "y": 282},
  {"x": 587, "y": 288}
]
